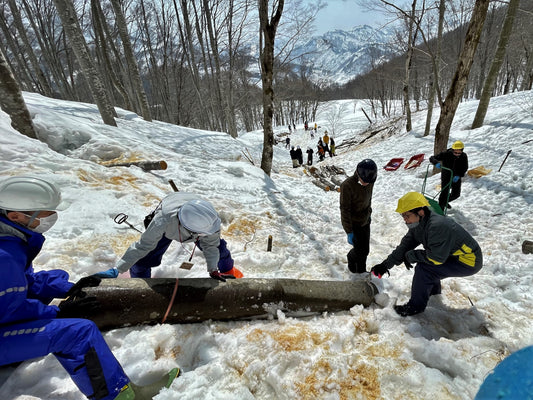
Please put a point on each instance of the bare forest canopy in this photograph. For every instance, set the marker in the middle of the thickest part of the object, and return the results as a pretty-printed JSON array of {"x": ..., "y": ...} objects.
[{"x": 198, "y": 61}]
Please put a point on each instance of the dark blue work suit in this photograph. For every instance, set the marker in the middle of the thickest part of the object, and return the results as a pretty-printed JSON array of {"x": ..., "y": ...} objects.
[{"x": 29, "y": 327}]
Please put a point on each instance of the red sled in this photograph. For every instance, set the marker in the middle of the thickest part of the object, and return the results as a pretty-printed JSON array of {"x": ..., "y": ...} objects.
[
  {"x": 415, "y": 161},
  {"x": 393, "y": 164}
]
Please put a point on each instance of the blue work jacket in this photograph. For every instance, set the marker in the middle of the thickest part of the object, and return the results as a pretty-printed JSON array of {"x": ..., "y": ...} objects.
[{"x": 24, "y": 293}]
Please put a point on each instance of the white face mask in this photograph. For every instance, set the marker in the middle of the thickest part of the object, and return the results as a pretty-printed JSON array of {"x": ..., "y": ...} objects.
[{"x": 45, "y": 223}]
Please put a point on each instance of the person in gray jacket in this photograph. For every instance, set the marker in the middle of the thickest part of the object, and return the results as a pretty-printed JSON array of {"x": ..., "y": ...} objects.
[
  {"x": 449, "y": 251},
  {"x": 186, "y": 218}
]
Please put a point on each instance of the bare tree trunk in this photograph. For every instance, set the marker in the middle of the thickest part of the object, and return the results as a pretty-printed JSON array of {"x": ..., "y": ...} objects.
[
  {"x": 497, "y": 61},
  {"x": 434, "y": 87},
  {"x": 22, "y": 72},
  {"x": 12, "y": 102},
  {"x": 267, "y": 35},
  {"x": 28, "y": 50},
  {"x": 411, "y": 39},
  {"x": 72, "y": 28},
  {"x": 44, "y": 30},
  {"x": 133, "y": 68},
  {"x": 460, "y": 78}
]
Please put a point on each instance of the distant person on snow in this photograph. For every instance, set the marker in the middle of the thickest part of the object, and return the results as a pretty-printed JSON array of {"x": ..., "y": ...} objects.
[
  {"x": 309, "y": 156},
  {"x": 455, "y": 159},
  {"x": 294, "y": 157},
  {"x": 299, "y": 155},
  {"x": 332, "y": 146},
  {"x": 29, "y": 326},
  {"x": 186, "y": 218},
  {"x": 325, "y": 140},
  {"x": 449, "y": 251},
  {"x": 320, "y": 150},
  {"x": 355, "y": 206},
  {"x": 287, "y": 143}
]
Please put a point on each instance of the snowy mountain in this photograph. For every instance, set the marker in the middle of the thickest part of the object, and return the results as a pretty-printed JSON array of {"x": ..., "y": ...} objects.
[{"x": 338, "y": 56}]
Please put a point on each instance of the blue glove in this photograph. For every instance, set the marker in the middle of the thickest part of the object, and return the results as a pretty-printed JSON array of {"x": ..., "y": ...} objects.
[
  {"x": 455, "y": 179},
  {"x": 350, "y": 238},
  {"x": 438, "y": 165},
  {"x": 110, "y": 273}
]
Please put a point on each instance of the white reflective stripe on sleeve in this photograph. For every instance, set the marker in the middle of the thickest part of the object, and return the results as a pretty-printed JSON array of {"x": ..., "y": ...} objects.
[
  {"x": 13, "y": 289},
  {"x": 23, "y": 331}
]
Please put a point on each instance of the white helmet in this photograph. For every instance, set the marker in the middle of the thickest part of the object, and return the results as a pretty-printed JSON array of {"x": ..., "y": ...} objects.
[
  {"x": 199, "y": 216},
  {"x": 28, "y": 193}
]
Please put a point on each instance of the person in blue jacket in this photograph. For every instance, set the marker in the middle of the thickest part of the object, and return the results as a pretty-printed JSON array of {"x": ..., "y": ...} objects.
[{"x": 29, "y": 326}]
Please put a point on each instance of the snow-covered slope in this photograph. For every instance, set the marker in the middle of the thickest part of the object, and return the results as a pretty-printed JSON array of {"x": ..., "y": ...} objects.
[{"x": 372, "y": 353}]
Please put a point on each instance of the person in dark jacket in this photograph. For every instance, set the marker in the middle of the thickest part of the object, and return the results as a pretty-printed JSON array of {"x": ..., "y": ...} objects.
[
  {"x": 355, "y": 207},
  {"x": 29, "y": 326},
  {"x": 299, "y": 155},
  {"x": 448, "y": 251},
  {"x": 309, "y": 156},
  {"x": 455, "y": 159},
  {"x": 294, "y": 157}
]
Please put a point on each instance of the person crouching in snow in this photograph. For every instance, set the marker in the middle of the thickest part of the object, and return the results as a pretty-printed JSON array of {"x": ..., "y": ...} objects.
[
  {"x": 186, "y": 218},
  {"x": 449, "y": 251},
  {"x": 29, "y": 326}
]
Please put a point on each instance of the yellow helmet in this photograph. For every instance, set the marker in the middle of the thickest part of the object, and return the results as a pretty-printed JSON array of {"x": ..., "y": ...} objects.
[
  {"x": 458, "y": 145},
  {"x": 410, "y": 201}
]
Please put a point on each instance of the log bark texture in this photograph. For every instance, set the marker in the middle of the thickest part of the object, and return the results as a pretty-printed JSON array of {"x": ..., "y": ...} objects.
[{"x": 129, "y": 302}]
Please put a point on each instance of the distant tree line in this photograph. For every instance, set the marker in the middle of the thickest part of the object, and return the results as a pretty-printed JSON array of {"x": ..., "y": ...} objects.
[
  {"x": 180, "y": 61},
  {"x": 209, "y": 63}
]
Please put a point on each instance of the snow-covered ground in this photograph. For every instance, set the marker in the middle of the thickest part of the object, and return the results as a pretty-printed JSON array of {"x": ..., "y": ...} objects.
[{"x": 363, "y": 353}]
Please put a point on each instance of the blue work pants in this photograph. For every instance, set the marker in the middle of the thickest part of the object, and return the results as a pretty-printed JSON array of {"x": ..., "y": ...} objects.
[{"x": 76, "y": 343}]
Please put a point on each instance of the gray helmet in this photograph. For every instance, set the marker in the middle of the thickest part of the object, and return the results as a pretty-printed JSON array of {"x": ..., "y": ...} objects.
[
  {"x": 199, "y": 216},
  {"x": 28, "y": 193}
]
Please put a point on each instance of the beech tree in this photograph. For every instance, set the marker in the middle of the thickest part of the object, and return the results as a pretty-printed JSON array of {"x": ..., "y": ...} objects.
[
  {"x": 12, "y": 102},
  {"x": 269, "y": 16},
  {"x": 497, "y": 61},
  {"x": 460, "y": 78},
  {"x": 69, "y": 19}
]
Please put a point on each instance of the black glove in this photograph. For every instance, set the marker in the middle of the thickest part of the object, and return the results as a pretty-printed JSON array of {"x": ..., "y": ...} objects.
[
  {"x": 379, "y": 270},
  {"x": 82, "y": 308},
  {"x": 407, "y": 263},
  {"x": 220, "y": 277},
  {"x": 88, "y": 281}
]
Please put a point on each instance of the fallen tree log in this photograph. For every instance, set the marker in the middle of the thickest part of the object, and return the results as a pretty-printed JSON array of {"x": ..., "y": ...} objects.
[
  {"x": 128, "y": 302},
  {"x": 144, "y": 165}
]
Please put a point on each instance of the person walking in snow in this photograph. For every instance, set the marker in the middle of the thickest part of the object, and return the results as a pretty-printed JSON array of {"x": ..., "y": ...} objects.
[
  {"x": 186, "y": 218},
  {"x": 309, "y": 156},
  {"x": 456, "y": 160},
  {"x": 448, "y": 251},
  {"x": 29, "y": 326},
  {"x": 355, "y": 207},
  {"x": 288, "y": 143}
]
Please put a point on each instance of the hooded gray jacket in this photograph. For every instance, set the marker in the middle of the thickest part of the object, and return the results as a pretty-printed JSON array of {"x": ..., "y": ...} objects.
[{"x": 166, "y": 223}]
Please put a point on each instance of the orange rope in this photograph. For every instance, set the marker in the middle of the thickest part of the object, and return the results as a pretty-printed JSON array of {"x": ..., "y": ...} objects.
[{"x": 171, "y": 301}]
